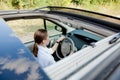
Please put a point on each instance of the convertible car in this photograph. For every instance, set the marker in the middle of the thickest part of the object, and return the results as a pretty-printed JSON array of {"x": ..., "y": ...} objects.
[{"x": 90, "y": 50}]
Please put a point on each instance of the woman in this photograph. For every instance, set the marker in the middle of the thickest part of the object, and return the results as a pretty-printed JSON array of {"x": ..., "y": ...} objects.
[{"x": 40, "y": 51}]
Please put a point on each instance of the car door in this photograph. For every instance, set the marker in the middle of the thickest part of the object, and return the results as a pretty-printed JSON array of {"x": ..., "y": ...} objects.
[{"x": 16, "y": 61}]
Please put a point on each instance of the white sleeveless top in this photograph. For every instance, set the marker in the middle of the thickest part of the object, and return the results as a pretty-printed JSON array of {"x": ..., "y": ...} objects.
[{"x": 44, "y": 56}]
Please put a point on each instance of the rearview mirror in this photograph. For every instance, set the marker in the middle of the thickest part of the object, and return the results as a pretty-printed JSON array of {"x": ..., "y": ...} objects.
[{"x": 58, "y": 28}]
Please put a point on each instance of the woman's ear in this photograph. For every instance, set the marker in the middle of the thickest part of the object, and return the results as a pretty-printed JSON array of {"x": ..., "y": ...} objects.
[{"x": 43, "y": 41}]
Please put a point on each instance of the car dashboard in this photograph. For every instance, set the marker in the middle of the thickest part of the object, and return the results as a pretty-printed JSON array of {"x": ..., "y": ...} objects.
[
  {"x": 82, "y": 38},
  {"x": 76, "y": 40}
]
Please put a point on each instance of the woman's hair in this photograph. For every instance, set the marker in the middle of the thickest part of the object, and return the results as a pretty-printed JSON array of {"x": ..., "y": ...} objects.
[{"x": 39, "y": 36}]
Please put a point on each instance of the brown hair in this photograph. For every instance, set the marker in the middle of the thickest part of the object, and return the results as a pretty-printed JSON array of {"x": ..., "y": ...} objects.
[{"x": 39, "y": 36}]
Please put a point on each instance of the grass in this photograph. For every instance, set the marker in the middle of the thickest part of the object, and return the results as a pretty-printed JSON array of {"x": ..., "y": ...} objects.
[
  {"x": 25, "y": 29},
  {"x": 109, "y": 8}
]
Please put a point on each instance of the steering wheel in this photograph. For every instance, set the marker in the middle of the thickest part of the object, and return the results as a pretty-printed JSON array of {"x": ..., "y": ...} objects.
[{"x": 65, "y": 48}]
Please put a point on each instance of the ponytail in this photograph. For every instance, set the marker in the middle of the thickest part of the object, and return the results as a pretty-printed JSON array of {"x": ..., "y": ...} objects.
[
  {"x": 35, "y": 50},
  {"x": 39, "y": 36}
]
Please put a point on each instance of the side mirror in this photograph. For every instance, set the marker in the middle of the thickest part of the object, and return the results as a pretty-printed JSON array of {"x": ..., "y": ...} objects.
[{"x": 58, "y": 28}]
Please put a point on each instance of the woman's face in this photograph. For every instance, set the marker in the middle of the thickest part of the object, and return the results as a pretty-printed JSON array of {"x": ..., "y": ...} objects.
[{"x": 47, "y": 40}]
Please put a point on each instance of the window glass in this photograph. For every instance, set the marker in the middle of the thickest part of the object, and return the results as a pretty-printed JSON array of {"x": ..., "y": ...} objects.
[
  {"x": 51, "y": 28},
  {"x": 25, "y": 28}
]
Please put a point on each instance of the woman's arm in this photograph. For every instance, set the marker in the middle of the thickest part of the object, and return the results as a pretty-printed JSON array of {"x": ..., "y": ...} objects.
[{"x": 57, "y": 43}]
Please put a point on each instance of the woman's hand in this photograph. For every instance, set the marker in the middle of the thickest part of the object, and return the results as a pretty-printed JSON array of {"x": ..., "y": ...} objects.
[
  {"x": 57, "y": 43},
  {"x": 61, "y": 38}
]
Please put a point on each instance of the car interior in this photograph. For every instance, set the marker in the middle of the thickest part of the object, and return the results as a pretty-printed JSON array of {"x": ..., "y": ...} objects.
[{"x": 75, "y": 39}]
